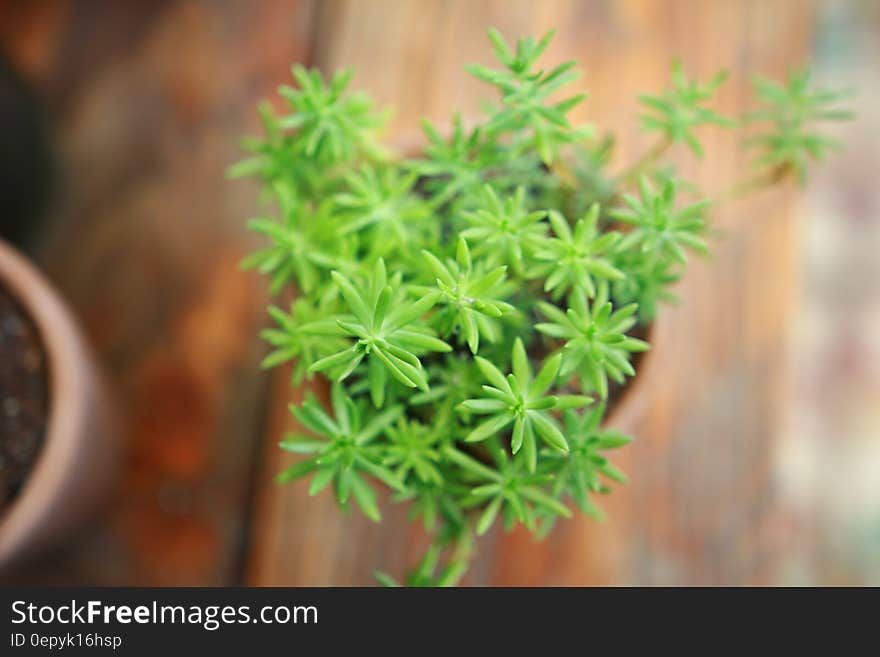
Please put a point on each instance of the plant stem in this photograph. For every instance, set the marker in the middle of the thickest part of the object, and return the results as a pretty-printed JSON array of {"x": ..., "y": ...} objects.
[
  {"x": 459, "y": 556},
  {"x": 752, "y": 184},
  {"x": 647, "y": 159}
]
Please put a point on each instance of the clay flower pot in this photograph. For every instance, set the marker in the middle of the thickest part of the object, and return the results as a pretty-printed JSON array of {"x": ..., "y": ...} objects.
[
  {"x": 625, "y": 413},
  {"x": 81, "y": 444}
]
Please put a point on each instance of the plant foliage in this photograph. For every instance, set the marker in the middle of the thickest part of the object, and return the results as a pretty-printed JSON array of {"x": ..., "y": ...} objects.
[{"x": 476, "y": 309}]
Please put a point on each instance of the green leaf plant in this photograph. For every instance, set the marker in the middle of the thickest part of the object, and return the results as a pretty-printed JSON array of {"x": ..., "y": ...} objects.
[{"x": 476, "y": 310}]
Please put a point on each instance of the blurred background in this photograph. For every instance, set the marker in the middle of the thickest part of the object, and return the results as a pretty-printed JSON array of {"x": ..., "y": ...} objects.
[{"x": 757, "y": 459}]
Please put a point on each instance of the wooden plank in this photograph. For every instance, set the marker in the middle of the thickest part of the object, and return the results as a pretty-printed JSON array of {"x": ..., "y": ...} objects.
[
  {"x": 700, "y": 508},
  {"x": 149, "y": 104}
]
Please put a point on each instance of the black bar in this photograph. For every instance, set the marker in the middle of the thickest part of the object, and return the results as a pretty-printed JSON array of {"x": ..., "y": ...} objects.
[{"x": 259, "y": 621}]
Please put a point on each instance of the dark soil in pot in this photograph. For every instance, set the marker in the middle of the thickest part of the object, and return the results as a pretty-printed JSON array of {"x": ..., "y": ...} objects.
[{"x": 23, "y": 397}]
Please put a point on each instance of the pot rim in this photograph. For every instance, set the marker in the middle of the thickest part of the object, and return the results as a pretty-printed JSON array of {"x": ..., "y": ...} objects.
[
  {"x": 67, "y": 408},
  {"x": 633, "y": 402}
]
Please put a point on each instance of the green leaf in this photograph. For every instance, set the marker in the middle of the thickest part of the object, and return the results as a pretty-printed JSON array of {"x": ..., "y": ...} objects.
[
  {"x": 549, "y": 432},
  {"x": 493, "y": 374},
  {"x": 521, "y": 368},
  {"x": 547, "y": 376},
  {"x": 353, "y": 298},
  {"x": 322, "y": 479},
  {"x": 488, "y": 516},
  {"x": 365, "y": 498},
  {"x": 409, "y": 314},
  {"x": 489, "y": 428},
  {"x": 296, "y": 471},
  {"x": 483, "y": 405}
]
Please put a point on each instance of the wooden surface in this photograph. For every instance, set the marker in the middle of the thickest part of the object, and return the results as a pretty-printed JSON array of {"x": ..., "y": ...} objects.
[
  {"x": 148, "y": 103},
  {"x": 149, "y": 100},
  {"x": 700, "y": 509}
]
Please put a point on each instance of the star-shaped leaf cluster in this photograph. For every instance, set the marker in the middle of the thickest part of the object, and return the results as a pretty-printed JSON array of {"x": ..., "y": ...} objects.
[
  {"x": 520, "y": 399},
  {"x": 331, "y": 126},
  {"x": 585, "y": 471},
  {"x": 471, "y": 298},
  {"x": 344, "y": 451},
  {"x": 414, "y": 449},
  {"x": 680, "y": 109},
  {"x": 505, "y": 230},
  {"x": 596, "y": 342},
  {"x": 580, "y": 256},
  {"x": 387, "y": 329},
  {"x": 659, "y": 227},
  {"x": 525, "y": 96},
  {"x": 306, "y": 333},
  {"x": 509, "y": 488},
  {"x": 298, "y": 249},
  {"x": 795, "y": 111},
  {"x": 381, "y": 199}
]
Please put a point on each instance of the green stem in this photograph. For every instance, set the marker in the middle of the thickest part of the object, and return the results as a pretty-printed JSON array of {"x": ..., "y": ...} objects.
[
  {"x": 751, "y": 184},
  {"x": 462, "y": 554},
  {"x": 461, "y": 549},
  {"x": 647, "y": 159}
]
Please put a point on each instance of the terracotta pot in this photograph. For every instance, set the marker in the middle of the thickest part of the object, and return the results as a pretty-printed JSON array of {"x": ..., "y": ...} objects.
[
  {"x": 81, "y": 446},
  {"x": 626, "y": 413}
]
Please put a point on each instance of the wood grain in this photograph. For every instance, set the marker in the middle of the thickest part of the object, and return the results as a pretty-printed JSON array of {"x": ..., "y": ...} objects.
[
  {"x": 700, "y": 508},
  {"x": 149, "y": 101}
]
